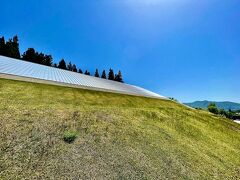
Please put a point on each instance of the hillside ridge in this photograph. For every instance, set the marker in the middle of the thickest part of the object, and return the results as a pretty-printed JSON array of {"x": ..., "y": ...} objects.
[{"x": 226, "y": 105}]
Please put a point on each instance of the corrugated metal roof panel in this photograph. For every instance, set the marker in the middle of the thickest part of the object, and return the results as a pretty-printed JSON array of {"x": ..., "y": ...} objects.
[{"x": 31, "y": 70}]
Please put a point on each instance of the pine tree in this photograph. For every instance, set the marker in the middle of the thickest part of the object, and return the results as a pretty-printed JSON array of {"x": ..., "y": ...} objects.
[
  {"x": 48, "y": 60},
  {"x": 12, "y": 48},
  {"x": 8, "y": 48},
  {"x": 96, "y": 73},
  {"x": 54, "y": 65},
  {"x": 39, "y": 58},
  {"x": 87, "y": 73},
  {"x": 29, "y": 55},
  {"x": 104, "y": 75},
  {"x": 62, "y": 64},
  {"x": 2, "y": 46},
  {"x": 80, "y": 71},
  {"x": 15, "y": 45},
  {"x": 74, "y": 68},
  {"x": 111, "y": 74},
  {"x": 118, "y": 77},
  {"x": 69, "y": 66}
]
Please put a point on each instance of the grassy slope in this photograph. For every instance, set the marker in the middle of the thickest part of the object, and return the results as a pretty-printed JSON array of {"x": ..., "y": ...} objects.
[{"x": 119, "y": 136}]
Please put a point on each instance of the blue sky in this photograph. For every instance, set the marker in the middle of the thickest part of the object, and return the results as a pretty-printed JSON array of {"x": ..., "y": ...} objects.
[{"x": 187, "y": 49}]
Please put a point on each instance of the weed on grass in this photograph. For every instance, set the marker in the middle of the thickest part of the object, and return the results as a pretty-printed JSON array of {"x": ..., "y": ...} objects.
[{"x": 69, "y": 136}]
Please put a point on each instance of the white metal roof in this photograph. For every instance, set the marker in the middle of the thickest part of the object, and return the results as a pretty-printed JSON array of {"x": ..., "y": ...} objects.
[{"x": 22, "y": 68}]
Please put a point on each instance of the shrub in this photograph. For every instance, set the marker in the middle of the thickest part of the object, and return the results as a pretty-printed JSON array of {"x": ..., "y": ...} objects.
[
  {"x": 223, "y": 113},
  {"x": 69, "y": 136},
  {"x": 173, "y": 99},
  {"x": 213, "y": 108}
]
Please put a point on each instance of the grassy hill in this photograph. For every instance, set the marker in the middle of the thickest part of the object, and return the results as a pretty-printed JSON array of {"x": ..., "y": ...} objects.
[
  {"x": 226, "y": 105},
  {"x": 118, "y": 136}
]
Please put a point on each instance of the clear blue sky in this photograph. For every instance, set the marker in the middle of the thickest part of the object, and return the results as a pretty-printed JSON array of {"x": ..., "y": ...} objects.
[{"x": 187, "y": 49}]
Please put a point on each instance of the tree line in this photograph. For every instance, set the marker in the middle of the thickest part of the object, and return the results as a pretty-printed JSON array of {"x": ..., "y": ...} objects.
[
  {"x": 228, "y": 114},
  {"x": 10, "y": 48}
]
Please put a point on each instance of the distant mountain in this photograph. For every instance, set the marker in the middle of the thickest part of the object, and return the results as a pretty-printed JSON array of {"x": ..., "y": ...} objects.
[{"x": 221, "y": 105}]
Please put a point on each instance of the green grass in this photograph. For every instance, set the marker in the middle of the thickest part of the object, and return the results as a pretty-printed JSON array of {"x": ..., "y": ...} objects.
[
  {"x": 70, "y": 136},
  {"x": 118, "y": 136}
]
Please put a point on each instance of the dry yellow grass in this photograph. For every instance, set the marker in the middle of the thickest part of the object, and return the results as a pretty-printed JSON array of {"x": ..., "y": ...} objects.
[{"x": 118, "y": 136}]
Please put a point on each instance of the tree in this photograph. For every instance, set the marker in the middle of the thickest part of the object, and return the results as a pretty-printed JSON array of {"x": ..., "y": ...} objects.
[
  {"x": 104, "y": 75},
  {"x": 118, "y": 77},
  {"x": 213, "y": 108},
  {"x": 16, "y": 52},
  {"x": 48, "y": 60},
  {"x": 54, "y": 65},
  {"x": 96, "y": 73},
  {"x": 87, "y": 73},
  {"x": 2, "y": 46},
  {"x": 12, "y": 48},
  {"x": 69, "y": 66},
  {"x": 39, "y": 58},
  {"x": 29, "y": 55},
  {"x": 111, "y": 74},
  {"x": 223, "y": 112},
  {"x": 80, "y": 71},
  {"x": 74, "y": 68},
  {"x": 62, "y": 64}
]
